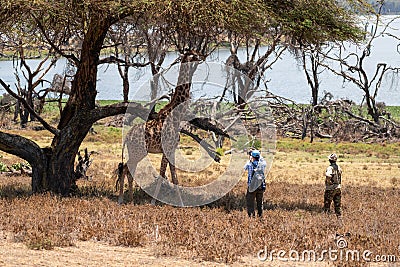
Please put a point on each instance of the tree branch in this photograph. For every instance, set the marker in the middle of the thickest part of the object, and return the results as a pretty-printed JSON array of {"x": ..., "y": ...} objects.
[
  {"x": 390, "y": 121},
  {"x": 203, "y": 143},
  {"x": 119, "y": 108},
  {"x": 38, "y": 69},
  {"x": 20, "y": 146},
  {"x": 361, "y": 118},
  {"x": 205, "y": 124},
  {"x": 112, "y": 59},
  {"x": 51, "y": 43}
]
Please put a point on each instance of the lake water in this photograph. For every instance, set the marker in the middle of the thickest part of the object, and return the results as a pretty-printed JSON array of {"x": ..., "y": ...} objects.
[{"x": 287, "y": 79}]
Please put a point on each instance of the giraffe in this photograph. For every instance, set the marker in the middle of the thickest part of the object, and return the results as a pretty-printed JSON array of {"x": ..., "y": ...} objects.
[{"x": 154, "y": 131}]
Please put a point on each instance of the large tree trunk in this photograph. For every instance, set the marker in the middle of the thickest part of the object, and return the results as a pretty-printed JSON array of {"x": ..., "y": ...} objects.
[
  {"x": 76, "y": 119},
  {"x": 52, "y": 168},
  {"x": 60, "y": 171}
]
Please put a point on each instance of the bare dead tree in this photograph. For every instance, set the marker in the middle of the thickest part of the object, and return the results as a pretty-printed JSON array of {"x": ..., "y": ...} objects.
[
  {"x": 311, "y": 57},
  {"x": 33, "y": 78},
  {"x": 251, "y": 73},
  {"x": 352, "y": 67}
]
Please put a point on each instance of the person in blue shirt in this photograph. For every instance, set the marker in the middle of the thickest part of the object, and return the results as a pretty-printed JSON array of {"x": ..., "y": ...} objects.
[{"x": 255, "y": 191}]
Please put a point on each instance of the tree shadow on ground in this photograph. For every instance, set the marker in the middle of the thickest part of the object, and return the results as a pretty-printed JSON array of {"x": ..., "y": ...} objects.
[
  {"x": 12, "y": 191},
  {"x": 291, "y": 206},
  {"x": 233, "y": 201},
  {"x": 20, "y": 187}
]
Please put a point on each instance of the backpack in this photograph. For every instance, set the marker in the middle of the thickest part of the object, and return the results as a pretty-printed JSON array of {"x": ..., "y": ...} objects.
[
  {"x": 257, "y": 179},
  {"x": 336, "y": 177}
]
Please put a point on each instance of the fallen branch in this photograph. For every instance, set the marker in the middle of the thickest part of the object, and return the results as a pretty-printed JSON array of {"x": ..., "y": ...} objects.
[
  {"x": 390, "y": 121},
  {"x": 204, "y": 144},
  {"x": 361, "y": 118},
  {"x": 319, "y": 135}
]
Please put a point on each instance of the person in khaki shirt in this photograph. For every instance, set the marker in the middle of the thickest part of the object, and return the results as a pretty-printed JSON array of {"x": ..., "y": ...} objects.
[{"x": 333, "y": 182}]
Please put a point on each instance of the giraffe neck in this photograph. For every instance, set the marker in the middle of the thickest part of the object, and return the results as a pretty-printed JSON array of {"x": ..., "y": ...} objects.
[
  {"x": 177, "y": 99},
  {"x": 156, "y": 128},
  {"x": 182, "y": 90}
]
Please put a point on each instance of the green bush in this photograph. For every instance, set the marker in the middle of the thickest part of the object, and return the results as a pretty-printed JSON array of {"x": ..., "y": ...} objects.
[
  {"x": 220, "y": 151},
  {"x": 3, "y": 167},
  {"x": 256, "y": 144},
  {"x": 18, "y": 166}
]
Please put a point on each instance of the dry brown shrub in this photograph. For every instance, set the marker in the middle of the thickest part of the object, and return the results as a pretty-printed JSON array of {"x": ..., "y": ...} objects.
[{"x": 131, "y": 238}]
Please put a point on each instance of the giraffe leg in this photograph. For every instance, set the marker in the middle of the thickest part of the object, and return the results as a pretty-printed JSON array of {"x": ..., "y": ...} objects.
[
  {"x": 130, "y": 184},
  {"x": 163, "y": 169},
  {"x": 175, "y": 182},
  {"x": 157, "y": 191},
  {"x": 121, "y": 178},
  {"x": 129, "y": 174},
  {"x": 126, "y": 172},
  {"x": 174, "y": 177}
]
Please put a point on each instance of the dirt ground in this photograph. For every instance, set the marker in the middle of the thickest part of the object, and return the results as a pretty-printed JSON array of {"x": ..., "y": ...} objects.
[
  {"x": 97, "y": 254},
  {"x": 90, "y": 253}
]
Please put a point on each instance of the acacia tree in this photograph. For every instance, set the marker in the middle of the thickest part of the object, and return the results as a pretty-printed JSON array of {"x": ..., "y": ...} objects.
[
  {"x": 292, "y": 24},
  {"x": 57, "y": 22},
  {"x": 89, "y": 21},
  {"x": 300, "y": 27}
]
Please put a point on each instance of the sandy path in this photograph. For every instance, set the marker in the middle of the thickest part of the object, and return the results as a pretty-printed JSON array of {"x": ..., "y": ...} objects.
[
  {"x": 90, "y": 253},
  {"x": 86, "y": 254}
]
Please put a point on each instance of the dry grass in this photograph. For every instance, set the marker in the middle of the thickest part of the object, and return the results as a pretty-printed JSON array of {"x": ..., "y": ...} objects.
[{"x": 220, "y": 231}]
